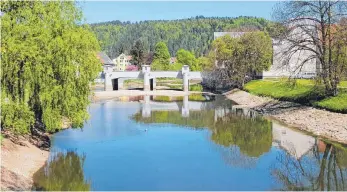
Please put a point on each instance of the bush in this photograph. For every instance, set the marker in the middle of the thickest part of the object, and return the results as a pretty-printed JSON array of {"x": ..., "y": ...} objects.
[{"x": 132, "y": 68}]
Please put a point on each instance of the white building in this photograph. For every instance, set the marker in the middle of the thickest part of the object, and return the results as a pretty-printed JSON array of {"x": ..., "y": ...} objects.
[
  {"x": 107, "y": 64},
  {"x": 282, "y": 65},
  {"x": 122, "y": 61}
]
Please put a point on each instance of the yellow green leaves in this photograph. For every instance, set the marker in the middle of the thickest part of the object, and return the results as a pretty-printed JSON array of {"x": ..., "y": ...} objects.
[{"x": 45, "y": 46}]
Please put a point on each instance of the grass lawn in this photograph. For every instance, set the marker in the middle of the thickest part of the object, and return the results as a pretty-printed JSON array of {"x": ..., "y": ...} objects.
[{"x": 304, "y": 92}]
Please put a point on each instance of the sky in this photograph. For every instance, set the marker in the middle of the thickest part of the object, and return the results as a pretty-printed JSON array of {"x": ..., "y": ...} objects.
[{"x": 101, "y": 11}]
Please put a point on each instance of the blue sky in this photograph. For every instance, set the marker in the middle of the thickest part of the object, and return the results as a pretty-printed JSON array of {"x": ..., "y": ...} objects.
[{"x": 99, "y": 11}]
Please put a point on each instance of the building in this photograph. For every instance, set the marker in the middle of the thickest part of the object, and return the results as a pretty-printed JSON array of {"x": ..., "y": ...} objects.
[
  {"x": 106, "y": 62},
  {"x": 173, "y": 60},
  {"x": 107, "y": 65},
  {"x": 122, "y": 61},
  {"x": 282, "y": 65}
]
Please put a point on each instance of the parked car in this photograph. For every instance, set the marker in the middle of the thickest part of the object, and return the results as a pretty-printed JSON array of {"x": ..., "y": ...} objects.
[{"x": 306, "y": 75}]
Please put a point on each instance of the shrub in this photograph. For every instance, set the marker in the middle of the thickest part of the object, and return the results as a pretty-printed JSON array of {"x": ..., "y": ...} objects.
[{"x": 132, "y": 68}]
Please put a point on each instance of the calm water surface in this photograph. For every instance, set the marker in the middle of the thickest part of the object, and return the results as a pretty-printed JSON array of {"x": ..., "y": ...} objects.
[{"x": 188, "y": 146}]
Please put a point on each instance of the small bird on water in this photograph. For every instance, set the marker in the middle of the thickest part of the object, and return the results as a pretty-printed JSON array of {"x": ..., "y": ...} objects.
[{"x": 145, "y": 130}]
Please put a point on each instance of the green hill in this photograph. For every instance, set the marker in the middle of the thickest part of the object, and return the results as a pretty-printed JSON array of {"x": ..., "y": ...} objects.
[{"x": 194, "y": 34}]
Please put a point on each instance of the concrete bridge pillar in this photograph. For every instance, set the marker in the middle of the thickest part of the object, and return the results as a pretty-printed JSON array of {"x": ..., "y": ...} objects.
[
  {"x": 153, "y": 84},
  {"x": 146, "y": 69},
  {"x": 185, "y": 107},
  {"x": 146, "y": 109},
  {"x": 108, "y": 82},
  {"x": 185, "y": 73}
]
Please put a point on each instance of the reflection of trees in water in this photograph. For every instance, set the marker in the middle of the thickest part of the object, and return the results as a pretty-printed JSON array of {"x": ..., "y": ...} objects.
[
  {"x": 233, "y": 156},
  {"x": 319, "y": 170},
  {"x": 197, "y": 119},
  {"x": 63, "y": 173},
  {"x": 251, "y": 133},
  {"x": 232, "y": 127}
]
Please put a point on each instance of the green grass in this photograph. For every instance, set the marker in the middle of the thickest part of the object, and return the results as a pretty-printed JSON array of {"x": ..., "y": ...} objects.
[
  {"x": 169, "y": 80},
  {"x": 162, "y": 98},
  {"x": 302, "y": 91},
  {"x": 343, "y": 84},
  {"x": 133, "y": 81},
  {"x": 174, "y": 86},
  {"x": 195, "y": 87},
  {"x": 337, "y": 103}
]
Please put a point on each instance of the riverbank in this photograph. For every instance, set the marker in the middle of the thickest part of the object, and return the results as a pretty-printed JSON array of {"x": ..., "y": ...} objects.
[
  {"x": 23, "y": 156},
  {"x": 19, "y": 162},
  {"x": 320, "y": 122}
]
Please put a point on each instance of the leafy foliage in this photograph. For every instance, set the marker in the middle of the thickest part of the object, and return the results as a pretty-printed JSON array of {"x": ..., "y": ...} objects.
[
  {"x": 239, "y": 58},
  {"x": 48, "y": 61},
  {"x": 137, "y": 52},
  {"x": 161, "y": 59},
  {"x": 185, "y": 57},
  {"x": 193, "y": 34}
]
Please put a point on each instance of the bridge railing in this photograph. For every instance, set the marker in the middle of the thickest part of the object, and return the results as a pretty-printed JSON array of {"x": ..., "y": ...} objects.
[{"x": 149, "y": 83}]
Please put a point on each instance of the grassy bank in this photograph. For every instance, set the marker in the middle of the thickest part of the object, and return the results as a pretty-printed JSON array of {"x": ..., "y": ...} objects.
[{"x": 302, "y": 91}]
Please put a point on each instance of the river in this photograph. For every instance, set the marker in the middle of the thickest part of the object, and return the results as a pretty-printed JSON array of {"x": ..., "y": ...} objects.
[{"x": 188, "y": 145}]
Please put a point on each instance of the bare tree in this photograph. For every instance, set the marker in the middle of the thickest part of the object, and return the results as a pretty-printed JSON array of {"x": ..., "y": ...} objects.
[{"x": 312, "y": 29}]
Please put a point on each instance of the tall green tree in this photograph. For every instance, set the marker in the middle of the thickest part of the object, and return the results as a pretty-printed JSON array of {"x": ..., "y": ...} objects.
[
  {"x": 161, "y": 58},
  {"x": 187, "y": 58},
  {"x": 48, "y": 60},
  {"x": 138, "y": 53},
  {"x": 240, "y": 59}
]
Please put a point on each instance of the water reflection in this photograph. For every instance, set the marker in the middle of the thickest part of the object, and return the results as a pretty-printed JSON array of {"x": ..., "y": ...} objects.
[
  {"x": 189, "y": 145},
  {"x": 64, "y": 172},
  {"x": 229, "y": 126},
  {"x": 320, "y": 170},
  {"x": 243, "y": 136}
]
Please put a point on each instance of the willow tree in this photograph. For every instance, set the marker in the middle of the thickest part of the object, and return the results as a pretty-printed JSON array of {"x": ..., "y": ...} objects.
[{"x": 48, "y": 60}]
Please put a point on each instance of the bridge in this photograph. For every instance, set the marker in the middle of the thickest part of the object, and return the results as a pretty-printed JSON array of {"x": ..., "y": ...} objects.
[{"x": 114, "y": 80}]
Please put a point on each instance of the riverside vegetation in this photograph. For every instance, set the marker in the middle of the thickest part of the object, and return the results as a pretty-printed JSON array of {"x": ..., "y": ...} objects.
[
  {"x": 306, "y": 92},
  {"x": 46, "y": 71}
]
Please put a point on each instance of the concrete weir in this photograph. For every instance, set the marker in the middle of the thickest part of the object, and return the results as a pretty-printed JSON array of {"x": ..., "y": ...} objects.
[{"x": 114, "y": 80}]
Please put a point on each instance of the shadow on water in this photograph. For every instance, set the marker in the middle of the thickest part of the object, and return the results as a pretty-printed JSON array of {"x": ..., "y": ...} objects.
[{"x": 241, "y": 137}]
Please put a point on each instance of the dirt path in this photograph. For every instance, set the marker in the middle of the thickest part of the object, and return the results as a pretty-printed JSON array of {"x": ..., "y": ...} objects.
[
  {"x": 319, "y": 122},
  {"x": 19, "y": 163}
]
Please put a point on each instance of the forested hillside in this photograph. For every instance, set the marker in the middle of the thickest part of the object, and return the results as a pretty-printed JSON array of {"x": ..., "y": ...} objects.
[{"x": 194, "y": 34}]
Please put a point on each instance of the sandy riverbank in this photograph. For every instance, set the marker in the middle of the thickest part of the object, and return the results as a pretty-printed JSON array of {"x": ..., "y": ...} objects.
[
  {"x": 19, "y": 162},
  {"x": 323, "y": 123}
]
